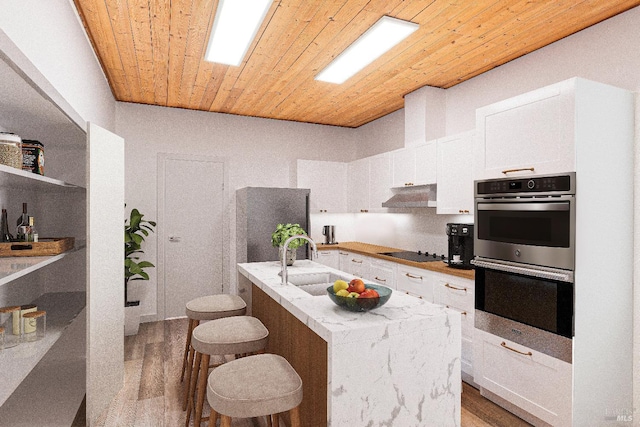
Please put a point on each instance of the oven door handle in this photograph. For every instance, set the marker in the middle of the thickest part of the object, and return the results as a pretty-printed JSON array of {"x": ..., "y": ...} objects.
[
  {"x": 525, "y": 206},
  {"x": 512, "y": 267}
]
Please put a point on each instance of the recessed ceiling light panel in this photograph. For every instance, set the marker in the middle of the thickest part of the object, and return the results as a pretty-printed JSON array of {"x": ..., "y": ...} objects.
[
  {"x": 382, "y": 36},
  {"x": 234, "y": 28}
]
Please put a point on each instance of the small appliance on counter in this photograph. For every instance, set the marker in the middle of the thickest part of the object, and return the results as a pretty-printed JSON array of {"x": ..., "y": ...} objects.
[
  {"x": 329, "y": 233},
  {"x": 460, "y": 245}
]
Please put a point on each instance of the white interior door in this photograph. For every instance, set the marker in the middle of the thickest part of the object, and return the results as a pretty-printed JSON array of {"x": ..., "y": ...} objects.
[{"x": 191, "y": 201}]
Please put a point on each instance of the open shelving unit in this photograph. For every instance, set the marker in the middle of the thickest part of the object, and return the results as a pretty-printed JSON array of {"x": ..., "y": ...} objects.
[{"x": 81, "y": 195}]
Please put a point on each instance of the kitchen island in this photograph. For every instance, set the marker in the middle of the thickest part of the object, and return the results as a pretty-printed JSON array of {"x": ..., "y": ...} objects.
[{"x": 397, "y": 365}]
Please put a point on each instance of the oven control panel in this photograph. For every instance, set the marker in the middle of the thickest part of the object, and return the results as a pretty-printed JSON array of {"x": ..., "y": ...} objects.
[{"x": 538, "y": 184}]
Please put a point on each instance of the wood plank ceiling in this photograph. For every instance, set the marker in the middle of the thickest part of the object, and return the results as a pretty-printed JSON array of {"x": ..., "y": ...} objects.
[{"x": 152, "y": 51}]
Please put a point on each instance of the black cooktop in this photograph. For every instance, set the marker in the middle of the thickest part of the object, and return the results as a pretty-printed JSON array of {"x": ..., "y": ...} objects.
[{"x": 415, "y": 256}]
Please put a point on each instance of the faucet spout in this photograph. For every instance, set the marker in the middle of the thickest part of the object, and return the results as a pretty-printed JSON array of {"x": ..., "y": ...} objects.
[{"x": 314, "y": 254}]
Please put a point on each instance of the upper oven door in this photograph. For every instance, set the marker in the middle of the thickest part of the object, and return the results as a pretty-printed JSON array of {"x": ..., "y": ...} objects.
[{"x": 531, "y": 230}]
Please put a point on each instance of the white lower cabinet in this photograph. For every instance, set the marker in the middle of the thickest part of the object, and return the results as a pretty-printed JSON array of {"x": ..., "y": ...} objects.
[
  {"x": 382, "y": 272},
  {"x": 415, "y": 281},
  {"x": 329, "y": 258},
  {"x": 532, "y": 381},
  {"x": 458, "y": 294},
  {"x": 354, "y": 264}
]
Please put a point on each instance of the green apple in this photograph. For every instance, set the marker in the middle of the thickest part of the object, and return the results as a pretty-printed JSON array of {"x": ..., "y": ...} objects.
[
  {"x": 339, "y": 285},
  {"x": 353, "y": 295}
]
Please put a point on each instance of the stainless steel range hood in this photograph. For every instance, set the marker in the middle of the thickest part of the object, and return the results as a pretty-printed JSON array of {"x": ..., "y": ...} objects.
[{"x": 417, "y": 196}]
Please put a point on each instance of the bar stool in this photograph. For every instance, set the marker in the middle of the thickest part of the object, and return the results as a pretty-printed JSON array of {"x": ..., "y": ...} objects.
[
  {"x": 237, "y": 335},
  {"x": 254, "y": 386},
  {"x": 209, "y": 307}
]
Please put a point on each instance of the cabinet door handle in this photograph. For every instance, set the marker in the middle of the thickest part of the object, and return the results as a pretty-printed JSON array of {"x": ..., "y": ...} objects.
[
  {"x": 412, "y": 276},
  {"x": 343, "y": 254},
  {"x": 504, "y": 345},
  {"x": 506, "y": 171},
  {"x": 454, "y": 288},
  {"x": 464, "y": 313},
  {"x": 379, "y": 279}
]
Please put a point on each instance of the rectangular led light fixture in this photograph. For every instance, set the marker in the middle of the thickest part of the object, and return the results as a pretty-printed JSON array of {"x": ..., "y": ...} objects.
[
  {"x": 382, "y": 36},
  {"x": 234, "y": 28}
]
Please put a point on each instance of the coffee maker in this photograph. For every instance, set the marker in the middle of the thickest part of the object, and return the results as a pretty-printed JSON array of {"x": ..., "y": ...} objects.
[
  {"x": 329, "y": 233},
  {"x": 460, "y": 245}
]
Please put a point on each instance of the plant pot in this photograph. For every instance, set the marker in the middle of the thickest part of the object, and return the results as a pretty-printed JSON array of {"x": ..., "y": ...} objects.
[
  {"x": 131, "y": 317},
  {"x": 291, "y": 255}
]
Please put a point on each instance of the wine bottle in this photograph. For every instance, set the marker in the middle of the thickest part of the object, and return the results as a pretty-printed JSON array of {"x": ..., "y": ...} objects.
[
  {"x": 23, "y": 224},
  {"x": 5, "y": 236},
  {"x": 32, "y": 233}
]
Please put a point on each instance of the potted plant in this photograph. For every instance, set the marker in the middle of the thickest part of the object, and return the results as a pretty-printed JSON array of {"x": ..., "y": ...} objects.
[
  {"x": 280, "y": 236},
  {"x": 135, "y": 230}
]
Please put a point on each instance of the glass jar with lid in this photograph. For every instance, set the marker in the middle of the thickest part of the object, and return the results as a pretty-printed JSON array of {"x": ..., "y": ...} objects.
[
  {"x": 10, "y": 150},
  {"x": 11, "y": 337}
]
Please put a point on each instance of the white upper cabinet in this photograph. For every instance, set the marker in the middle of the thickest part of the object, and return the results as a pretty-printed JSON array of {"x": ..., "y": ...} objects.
[
  {"x": 379, "y": 181},
  {"x": 455, "y": 176},
  {"x": 327, "y": 182},
  {"x": 404, "y": 166},
  {"x": 358, "y": 185},
  {"x": 529, "y": 134},
  {"x": 414, "y": 165},
  {"x": 426, "y": 163}
]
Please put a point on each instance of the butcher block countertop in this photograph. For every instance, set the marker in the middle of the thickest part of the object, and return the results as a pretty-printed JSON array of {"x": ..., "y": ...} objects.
[{"x": 375, "y": 251}]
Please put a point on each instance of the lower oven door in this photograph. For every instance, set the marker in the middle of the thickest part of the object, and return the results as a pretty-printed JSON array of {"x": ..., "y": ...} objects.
[{"x": 532, "y": 306}]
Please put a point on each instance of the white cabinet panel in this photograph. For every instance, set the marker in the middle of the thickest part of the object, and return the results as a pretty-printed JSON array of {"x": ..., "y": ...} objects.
[
  {"x": 382, "y": 272},
  {"x": 415, "y": 281},
  {"x": 354, "y": 264},
  {"x": 329, "y": 258},
  {"x": 414, "y": 165},
  {"x": 380, "y": 181},
  {"x": 358, "y": 185},
  {"x": 531, "y": 131},
  {"x": 404, "y": 167},
  {"x": 534, "y": 382},
  {"x": 455, "y": 176},
  {"x": 426, "y": 163},
  {"x": 327, "y": 182}
]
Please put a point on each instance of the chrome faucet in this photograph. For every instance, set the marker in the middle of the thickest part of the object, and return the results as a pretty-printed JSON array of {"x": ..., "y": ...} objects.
[{"x": 283, "y": 272}]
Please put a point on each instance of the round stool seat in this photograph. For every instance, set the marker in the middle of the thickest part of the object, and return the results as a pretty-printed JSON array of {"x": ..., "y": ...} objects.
[
  {"x": 230, "y": 335},
  {"x": 212, "y": 307},
  {"x": 254, "y": 386}
]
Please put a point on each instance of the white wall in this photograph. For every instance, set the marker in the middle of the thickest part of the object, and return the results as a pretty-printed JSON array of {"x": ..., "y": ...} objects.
[
  {"x": 260, "y": 153},
  {"x": 50, "y": 34}
]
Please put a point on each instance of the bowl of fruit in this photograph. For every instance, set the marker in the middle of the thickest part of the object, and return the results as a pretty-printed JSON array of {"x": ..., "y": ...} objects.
[{"x": 357, "y": 295}]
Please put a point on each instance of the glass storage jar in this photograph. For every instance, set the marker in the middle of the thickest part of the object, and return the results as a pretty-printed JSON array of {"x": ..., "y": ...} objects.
[
  {"x": 10, "y": 150},
  {"x": 7, "y": 319},
  {"x": 34, "y": 325}
]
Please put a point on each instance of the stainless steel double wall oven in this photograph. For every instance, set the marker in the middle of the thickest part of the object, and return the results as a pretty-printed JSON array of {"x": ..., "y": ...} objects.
[{"x": 525, "y": 258}]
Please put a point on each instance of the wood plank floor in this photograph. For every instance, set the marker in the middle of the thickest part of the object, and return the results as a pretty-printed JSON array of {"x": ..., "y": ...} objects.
[{"x": 152, "y": 391}]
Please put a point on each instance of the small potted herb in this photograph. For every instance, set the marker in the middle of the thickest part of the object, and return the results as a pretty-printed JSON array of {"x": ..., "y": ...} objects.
[{"x": 280, "y": 236}]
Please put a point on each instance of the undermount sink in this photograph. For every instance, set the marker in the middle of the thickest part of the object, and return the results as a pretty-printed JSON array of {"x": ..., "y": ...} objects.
[{"x": 314, "y": 283}]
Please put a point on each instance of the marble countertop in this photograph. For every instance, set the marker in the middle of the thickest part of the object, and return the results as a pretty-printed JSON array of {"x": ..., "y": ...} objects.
[
  {"x": 375, "y": 251},
  {"x": 400, "y": 315}
]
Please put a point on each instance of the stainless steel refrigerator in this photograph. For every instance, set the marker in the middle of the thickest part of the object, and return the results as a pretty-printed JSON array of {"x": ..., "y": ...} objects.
[{"x": 258, "y": 211}]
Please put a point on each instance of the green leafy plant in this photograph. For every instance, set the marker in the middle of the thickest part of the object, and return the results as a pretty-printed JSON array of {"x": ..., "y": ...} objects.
[
  {"x": 135, "y": 230},
  {"x": 284, "y": 231}
]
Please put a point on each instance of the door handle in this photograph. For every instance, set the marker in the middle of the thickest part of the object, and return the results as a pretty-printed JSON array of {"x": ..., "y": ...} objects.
[{"x": 175, "y": 239}]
